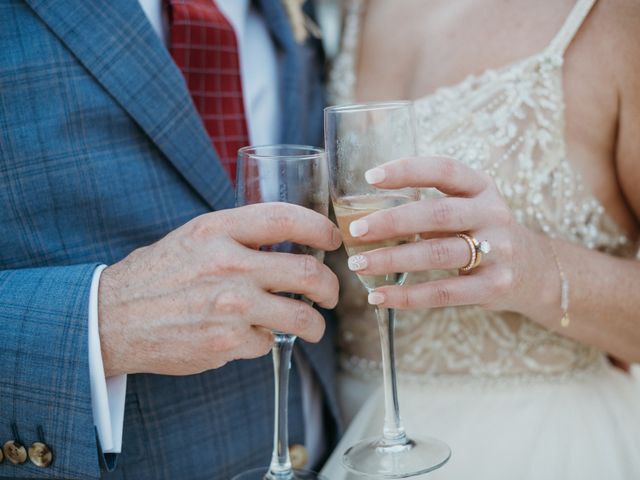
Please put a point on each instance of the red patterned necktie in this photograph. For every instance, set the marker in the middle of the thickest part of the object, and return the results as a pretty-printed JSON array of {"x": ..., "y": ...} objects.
[{"x": 203, "y": 45}]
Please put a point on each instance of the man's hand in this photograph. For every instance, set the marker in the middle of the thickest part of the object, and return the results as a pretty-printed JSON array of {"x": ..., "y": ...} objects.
[{"x": 204, "y": 295}]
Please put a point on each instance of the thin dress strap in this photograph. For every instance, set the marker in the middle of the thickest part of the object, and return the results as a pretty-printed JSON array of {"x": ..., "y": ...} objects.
[{"x": 571, "y": 26}]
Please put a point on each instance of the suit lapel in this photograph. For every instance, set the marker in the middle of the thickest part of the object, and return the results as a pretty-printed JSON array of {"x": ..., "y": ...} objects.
[{"x": 117, "y": 45}]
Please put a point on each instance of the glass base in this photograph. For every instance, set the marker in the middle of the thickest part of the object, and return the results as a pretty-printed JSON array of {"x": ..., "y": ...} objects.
[
  {"x": 371, "y": 457},
  {"x": 261, "y": 474}
]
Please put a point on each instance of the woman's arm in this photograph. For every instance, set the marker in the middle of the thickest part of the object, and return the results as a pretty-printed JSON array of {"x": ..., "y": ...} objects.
[
  {"x": 627, "y": 162},
  {"x": 605, "y": 293},
  {"x": 604, "y": 305}
]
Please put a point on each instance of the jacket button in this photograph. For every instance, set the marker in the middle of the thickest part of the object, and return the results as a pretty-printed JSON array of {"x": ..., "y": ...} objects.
[
  {"x": 40, "y": 454},
  {"x": 299, "y": 456},
  {"x": 14, "y": 452}
]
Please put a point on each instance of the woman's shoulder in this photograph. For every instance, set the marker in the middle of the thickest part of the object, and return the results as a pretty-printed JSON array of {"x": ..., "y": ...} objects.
[
  {"x": 606, "y": 51},
  {"x": 624, "y": 20},
  {"x": 618, "y": 33},
  {"x": 617, "y": 24}
]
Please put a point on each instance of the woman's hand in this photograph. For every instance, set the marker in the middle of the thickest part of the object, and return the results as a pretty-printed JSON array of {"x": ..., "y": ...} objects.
[{"x": 507, "y": 276}]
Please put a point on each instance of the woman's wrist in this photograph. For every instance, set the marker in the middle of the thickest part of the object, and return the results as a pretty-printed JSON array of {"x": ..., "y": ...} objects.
[{"x": 540, "y": 295}]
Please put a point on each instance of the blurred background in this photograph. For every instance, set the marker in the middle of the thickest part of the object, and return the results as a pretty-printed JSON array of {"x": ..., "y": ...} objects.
[{"x": 329, "y": 20}]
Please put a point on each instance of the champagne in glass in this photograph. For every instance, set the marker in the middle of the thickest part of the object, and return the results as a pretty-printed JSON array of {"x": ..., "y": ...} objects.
[
  {"x": 292, "y": 174},
  {"x": 358, "y": 138},
  {"x": 350, "y": 209}
]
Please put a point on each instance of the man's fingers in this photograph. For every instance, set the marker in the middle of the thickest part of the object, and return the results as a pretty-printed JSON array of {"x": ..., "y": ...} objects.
[
  {"x": 301, "y": 274},
  {"x": 271, "y": 223},
  {"x": 296, "y": 317},
  {"x": 258, "y": 343},
  {"x": 446, "y": 174}
]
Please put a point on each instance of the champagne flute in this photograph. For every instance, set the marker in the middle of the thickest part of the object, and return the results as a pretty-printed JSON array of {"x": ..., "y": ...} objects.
[
  {"x": 357, "y": 138},
  {"x": 293, "y": 174}
]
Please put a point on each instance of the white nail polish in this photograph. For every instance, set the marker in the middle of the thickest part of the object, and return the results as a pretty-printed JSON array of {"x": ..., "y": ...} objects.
[
  {"x": 357, "y": 262},
  {"x": 358, "y": 228},
  {"x": 375, "y": 298},
  {"x": 375, "y": 175}
]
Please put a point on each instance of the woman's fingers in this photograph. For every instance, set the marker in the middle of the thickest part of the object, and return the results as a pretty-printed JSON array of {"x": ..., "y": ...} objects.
[
  {"x": 477, "y": 289},
  {"x": 472, "y": 204},
  {"x": 437, "y": 253},
  {"x": 444, "y": 173},
  {"x": 446, "y": 214}
]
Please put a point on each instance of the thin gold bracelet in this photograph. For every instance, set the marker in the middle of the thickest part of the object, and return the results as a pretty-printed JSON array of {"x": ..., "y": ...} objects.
[{"x": 565, "y": 320}]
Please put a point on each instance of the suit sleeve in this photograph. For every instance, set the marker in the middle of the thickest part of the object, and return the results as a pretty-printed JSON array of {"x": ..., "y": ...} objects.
[{"x": 45, "y": 390}]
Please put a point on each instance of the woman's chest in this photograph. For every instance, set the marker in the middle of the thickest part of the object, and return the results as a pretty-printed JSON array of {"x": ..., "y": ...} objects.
[{"x": 411, "y": 49}]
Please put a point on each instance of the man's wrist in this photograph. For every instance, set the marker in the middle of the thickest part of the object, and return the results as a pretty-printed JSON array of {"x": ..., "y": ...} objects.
[
  {"x": 107, "y": 394},
  {"x": 111, "y": 359}
]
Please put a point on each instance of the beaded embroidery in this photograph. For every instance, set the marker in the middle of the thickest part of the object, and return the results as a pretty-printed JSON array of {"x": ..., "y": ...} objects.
[{"x": 508, "y": 122}]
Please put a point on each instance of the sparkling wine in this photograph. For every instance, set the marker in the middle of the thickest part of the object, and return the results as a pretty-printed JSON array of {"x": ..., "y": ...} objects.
[{"x": 349, "y": 209}]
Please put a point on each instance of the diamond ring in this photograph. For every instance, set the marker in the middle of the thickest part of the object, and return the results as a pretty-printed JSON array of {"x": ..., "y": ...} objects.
[{"x": 476, "y": 249}]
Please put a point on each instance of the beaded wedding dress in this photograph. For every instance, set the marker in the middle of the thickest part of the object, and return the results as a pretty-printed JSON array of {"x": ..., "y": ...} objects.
[{"x": 512, "y": 399}]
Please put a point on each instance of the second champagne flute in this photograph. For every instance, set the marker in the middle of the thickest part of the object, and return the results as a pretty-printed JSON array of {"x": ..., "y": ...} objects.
[
  {"x": 358, "y": 138},
  {"x": 291, "y": 174}
]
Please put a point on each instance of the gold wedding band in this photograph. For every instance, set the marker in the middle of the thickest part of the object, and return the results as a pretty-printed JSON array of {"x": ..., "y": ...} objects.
[{"x": 476, "y": 248}]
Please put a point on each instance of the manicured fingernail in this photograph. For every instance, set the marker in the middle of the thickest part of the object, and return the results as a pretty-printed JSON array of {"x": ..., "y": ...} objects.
[
  {"x": 375, "y": 175},
  {"x": 358, "y": 228},
  {"x": 375, "y": 298},
  {"x": 357, "y": 262}
]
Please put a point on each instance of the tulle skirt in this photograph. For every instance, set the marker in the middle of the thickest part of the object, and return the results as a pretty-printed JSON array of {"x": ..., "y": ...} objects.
[{"x": 583, "y": 428}]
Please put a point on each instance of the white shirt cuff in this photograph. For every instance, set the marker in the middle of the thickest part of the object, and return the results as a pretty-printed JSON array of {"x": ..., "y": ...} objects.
[{"x": 107, "y": 394}]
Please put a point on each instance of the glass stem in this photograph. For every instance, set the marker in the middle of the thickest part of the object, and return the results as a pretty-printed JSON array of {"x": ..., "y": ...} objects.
[
  {"x": 280, "y": 468},
  {"x": 393, "y": 432}
]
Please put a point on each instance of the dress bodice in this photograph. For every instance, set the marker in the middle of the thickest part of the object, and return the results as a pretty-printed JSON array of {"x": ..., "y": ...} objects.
[{"x": 510, "y": 123}]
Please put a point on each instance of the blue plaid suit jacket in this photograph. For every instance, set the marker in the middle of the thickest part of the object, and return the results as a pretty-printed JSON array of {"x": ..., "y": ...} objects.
[{"x": 101, "y": 152}]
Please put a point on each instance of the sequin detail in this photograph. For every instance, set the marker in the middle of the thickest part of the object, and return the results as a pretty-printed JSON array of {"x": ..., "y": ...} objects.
[{"x": 510, "y": 123}]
